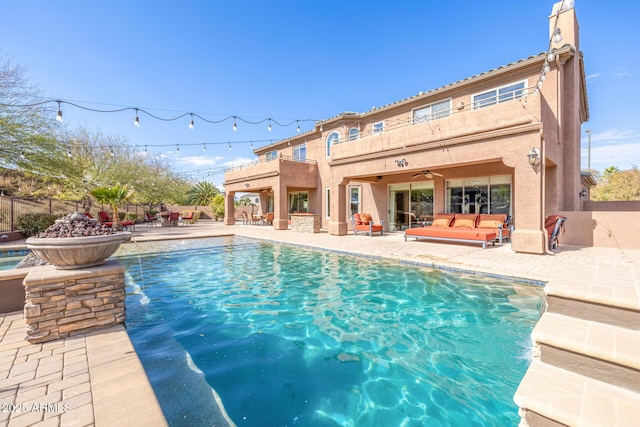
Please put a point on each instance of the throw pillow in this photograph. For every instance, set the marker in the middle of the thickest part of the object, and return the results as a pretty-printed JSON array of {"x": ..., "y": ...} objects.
[
  {"x": 441, "y": 222},
  {"x": 464, "y": 223}
]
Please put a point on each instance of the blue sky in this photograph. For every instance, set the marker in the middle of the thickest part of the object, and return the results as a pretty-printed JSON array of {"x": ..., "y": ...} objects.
[{"x": 297, "y": 60}]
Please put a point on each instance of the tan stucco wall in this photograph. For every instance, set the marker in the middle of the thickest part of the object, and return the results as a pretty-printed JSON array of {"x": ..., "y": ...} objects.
[{"x": 602, "y": 229}]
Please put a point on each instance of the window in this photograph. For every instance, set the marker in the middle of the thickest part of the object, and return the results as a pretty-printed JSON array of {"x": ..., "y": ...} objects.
[
  {"x": 300, "y": 152},
  {"x": 327, "y": 196},
  {"x": 299, "y": 202},
  {"x": 479, "y": 195},
  {"x": 354, "y": 133},
  {"x": 272, "y": 155},
  {"x": 498, "y": 95},
  {"x": 377, "y": 127},
  {"x": 270, "y": 202},
  {"x": 333, "y": 138},
  {"x": 431, "y": 112},
  {"x": 354, "y": 200}
]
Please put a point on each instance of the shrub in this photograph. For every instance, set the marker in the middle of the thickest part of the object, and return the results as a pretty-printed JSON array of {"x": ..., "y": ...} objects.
[
  {"x": 218, "y": 206},
  {"x": 131, "y": 216},
  {"x": 31, "y": 224}
]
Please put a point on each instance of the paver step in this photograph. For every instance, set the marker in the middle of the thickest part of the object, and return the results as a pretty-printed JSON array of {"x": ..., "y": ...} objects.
[
  {"x": 593, "y": 307},
  {"x": 603, "y": 352},
  {"x": 550, "y": 396}
]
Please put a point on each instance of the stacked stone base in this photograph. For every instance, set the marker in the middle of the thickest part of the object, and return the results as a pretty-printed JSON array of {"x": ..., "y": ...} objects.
[
  {"x": 305, "y": 223},
  {"x": 62, "y": 303}
]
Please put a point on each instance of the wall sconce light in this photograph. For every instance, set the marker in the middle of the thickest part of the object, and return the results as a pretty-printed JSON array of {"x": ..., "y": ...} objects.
[
  {"x": 583, "y": 193},
  {"x": 247, "y": 185},
  {"x": 401, "y": 163},
  {"x": 534, "y": 156}
]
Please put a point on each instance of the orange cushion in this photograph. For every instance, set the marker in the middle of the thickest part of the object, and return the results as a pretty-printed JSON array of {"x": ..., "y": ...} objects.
[
  {"x": 441, "y": 222},
  {"x": 464, "y": 223},
  {"x": 366, "y": 218},
  {"x": 487, "y": 223}
]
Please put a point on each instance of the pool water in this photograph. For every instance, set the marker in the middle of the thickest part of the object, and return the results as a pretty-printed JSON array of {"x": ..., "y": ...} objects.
[
  {"x": 9, "y": 260},
  {"x": 283, "y": 335}
]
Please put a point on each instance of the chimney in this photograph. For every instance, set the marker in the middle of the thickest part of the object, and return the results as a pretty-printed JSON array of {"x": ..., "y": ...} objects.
[{"x": 563, "y": 22}]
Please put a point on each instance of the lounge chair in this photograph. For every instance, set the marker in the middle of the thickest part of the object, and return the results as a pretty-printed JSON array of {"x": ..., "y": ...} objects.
[
  {"x": 554, "y": 224},
  {"x": 363, "y": 222},
  {"x": 455, "y": 228},
  {"x": 173, "y": 219},
  {"x": 269, "y": 219}
]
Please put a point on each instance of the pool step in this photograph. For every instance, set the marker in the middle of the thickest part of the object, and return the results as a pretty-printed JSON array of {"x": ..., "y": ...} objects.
[
  {"x": 596, "y": 350},
  {"x": 550, "y": 396}
]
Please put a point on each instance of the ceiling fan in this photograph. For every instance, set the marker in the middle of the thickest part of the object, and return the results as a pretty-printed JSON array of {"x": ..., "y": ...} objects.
[{"x": 427, "y": 174}]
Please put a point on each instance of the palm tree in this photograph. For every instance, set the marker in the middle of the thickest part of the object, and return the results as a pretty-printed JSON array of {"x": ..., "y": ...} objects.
[
  {"x": 202, "y": 194},
  {"x": 115, "y": 197}
]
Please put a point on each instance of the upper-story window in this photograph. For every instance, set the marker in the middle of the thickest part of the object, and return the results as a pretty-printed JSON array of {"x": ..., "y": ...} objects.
[
  {"x": 377, "y": 127},
  {"x": 354, "y": 133},
  {"x": 272, "y": 155},
  {"x": 498, "y": 95},
  {"x": 431, "y": 112},
  {"x": 300, "y": 152},
  {"x": 333, "y": 138}
]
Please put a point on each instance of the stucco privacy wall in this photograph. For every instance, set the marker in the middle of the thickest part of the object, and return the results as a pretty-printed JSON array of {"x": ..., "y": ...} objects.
[{"x": 602, "y": 229}]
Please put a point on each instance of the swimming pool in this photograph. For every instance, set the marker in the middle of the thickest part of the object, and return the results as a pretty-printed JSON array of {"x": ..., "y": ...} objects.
[
  {"x": 291, "y": 336},
  {"x": 10, "y": 259}
]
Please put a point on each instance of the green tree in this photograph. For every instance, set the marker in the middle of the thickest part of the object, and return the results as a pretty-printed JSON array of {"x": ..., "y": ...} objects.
[
  {"x": 202, "y": 194},
  {"x": 115, "y": 197},
  {"x": 218, "y": 205},
  {"x": 617, "y": 185}
]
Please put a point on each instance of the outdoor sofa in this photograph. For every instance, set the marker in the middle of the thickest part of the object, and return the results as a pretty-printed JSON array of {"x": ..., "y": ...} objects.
[{"x": 465, "y": 228}]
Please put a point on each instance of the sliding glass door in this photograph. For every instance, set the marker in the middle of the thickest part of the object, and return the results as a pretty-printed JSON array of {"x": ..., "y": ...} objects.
[{"x": 410, "y": 205}]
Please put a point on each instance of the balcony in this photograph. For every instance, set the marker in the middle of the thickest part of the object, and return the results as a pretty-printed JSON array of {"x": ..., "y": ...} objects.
[
  {"x": 461, "y": 125},
  {"x": 304, "y": 173}
]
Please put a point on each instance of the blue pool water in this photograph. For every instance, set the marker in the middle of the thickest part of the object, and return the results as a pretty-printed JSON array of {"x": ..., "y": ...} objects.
[
  {"x": 291, "y": 336},
  {"x": 10, "y": 259}
]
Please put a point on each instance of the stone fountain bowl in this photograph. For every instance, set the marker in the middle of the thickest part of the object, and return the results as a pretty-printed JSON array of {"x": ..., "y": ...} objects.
[{"x": 68, "y": 253}]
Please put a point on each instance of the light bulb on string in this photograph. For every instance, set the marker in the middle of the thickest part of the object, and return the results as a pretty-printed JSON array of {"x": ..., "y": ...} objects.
[
  {"x": 204, "y": 147},
  {"x": 177, "y": 148},
  {"x": 69, "y": 152},
  {"x": 235, "y": 128},
  {"x": 251, "y": 145},
  {"x": 111, "y": 151},
  {"x": 136, "y": 121},
  {"x": 551, "y": 56},
  {"x": 191, "y": 122},
  {"x": 22, "y": 156},
  {"x": 269, "y": 126},
  {"x": 557, "y": 36},
  {"x": 546, "y": 67},
  {"x": 59, "y": 114},
  {"x": 229, "y": 145},
  {"x": 145, "y": 150},
  {"x": 298, "y": 128}
]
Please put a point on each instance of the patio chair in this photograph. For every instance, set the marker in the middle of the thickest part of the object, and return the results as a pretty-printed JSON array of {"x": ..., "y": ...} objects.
[
  {"x": 106, "y": 220},
  {"x": 245, "y": 219},
  {"x": 187, "y": 218},
  {"x": 173, "y": 219},
  {"x": 256, "y": 219},
  {"x": 150, "y": 220},
  {"x": 269, "y": 218},
  {"x": 363, "y": 222}
]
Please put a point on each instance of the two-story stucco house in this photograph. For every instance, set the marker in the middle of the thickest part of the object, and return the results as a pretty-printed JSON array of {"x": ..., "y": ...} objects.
[{"x": 504, "y": 141}]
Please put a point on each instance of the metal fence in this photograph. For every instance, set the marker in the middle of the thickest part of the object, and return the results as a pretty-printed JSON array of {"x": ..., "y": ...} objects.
[{"x": 12, "y": 207}]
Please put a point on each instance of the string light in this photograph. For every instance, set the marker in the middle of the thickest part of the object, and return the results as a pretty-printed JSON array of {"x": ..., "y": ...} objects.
[
  {"x": 59, "y": 114},
  {"x": 145, "y": 150},
  {"x": 235, "y": 128},
  {"x": 177, "y": 148},
  {"x": 111, "y": 151},
  {"x": 557, "y": 36},
  {"x": 69, "y": 152},
  {"x": 298, "y": 128},
  {"x": 229, "y": 145},
  {"x": 136, "y": 121},
  {"x": 204, "y": 147},
  {"x": 22, "y": 156},
  {"x": 269, "y": 127},
  {"x": 191, "y": 122}
]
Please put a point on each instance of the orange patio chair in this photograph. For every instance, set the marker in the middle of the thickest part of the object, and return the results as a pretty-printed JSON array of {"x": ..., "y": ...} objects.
[{"x": 363, "y": 222}]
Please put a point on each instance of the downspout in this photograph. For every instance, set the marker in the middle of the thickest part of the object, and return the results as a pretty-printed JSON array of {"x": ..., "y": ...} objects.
[{"x": 543, "y": 191}]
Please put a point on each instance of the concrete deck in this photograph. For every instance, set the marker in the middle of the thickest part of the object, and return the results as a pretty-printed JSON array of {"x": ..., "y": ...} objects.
[{"x": 96, "y": 378}]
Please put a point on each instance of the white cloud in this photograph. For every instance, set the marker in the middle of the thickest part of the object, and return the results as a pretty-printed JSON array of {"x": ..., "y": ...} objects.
[
  {"x": 612, "y": 147},
  {"x": 593, "y": 76},
  {"x": 622, "y": 73},
  {"x": 239, "y": 161},
  {"x": 198, "y": 161},
  {"x": 613, "y": 134}
]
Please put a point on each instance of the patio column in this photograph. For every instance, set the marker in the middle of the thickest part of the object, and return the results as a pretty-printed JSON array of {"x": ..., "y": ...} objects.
[
  {"x": 338, "y": 221},
  {"x": 280, "y": 208},
  {"x": 229, "y": 208}
]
